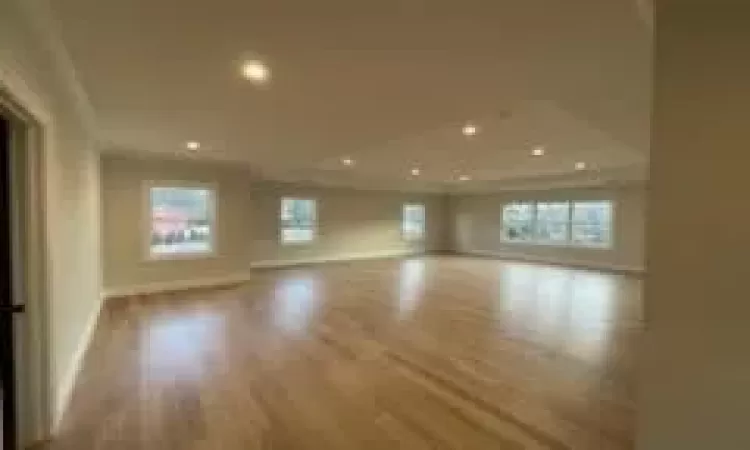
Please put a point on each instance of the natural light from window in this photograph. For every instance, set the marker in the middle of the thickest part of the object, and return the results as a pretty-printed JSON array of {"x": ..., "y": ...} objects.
[
  {"x": 413, "y": 222},
  {"x": 579, "y": 223},
  {"x": 518, "y": 221},
  {"x": 298, "y": 220},
  {"x": 552, "y": 222},
  {"x": 181, "y": 221},
  {"x": 592, "y": 223}
]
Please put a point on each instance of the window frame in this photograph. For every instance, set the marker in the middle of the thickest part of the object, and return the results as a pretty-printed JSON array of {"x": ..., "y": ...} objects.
[
  {"x": 414, "y": 238},
  {"x": 280, "y": 220},
  {"x": 610, "y": 242},
  {"x": 531, "y": 222},
  {"x": 569, "y": 223},
  {"x": 147, "y": 219}
]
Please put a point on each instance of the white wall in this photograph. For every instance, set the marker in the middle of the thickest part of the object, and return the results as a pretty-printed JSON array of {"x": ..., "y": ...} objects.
[
  {"x": 694, "y": 390},
  {"x": 36, "y": 75},
  {"x": 477, "y": 228},
  {"x": 125, "y": 224},
  {"x": 351, "y": 223}
]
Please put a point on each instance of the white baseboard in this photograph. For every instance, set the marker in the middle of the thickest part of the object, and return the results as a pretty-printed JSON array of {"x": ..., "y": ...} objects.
[
  {"x": 596, "y": 265},
  {"x": 270, "y": 264},
  {"x": 64, "y": 390},
  {"x": 178, "y": 285}
]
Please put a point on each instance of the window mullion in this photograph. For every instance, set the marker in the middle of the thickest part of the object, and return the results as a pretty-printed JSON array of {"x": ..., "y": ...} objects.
[{"x": 569, "y": 239}]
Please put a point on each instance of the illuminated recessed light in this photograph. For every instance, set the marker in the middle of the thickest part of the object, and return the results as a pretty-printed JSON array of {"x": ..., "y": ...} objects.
[
  {"x": 256, "y": 71},
  {"x": 415, "y": 171},
  {"x": 580, "y": 165},
  {"x": 469, "y": 130},
  {"x": 193, "y": 145},
  {"x": 464, "y": 178},
  {"x": 539, "y": 151},
  {"x": 347, "y": 161}
]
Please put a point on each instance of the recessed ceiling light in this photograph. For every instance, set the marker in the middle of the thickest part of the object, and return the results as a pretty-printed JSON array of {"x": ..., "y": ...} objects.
[
  {"x": 193, "y": 145},
  {"x": 469, "y": 129},
  {"x": 580, "y": 165},
  {"x": 415, "y": 171},
  {"x": 464, "y": 178},
  {"x": 539, "y": 151},
  {"x": 256, "y": 71},
  {"x": 347, "y": 161}
]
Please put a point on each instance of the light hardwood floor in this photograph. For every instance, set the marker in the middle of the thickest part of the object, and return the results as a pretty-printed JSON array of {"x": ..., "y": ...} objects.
[{"x": 433, "y": 353}]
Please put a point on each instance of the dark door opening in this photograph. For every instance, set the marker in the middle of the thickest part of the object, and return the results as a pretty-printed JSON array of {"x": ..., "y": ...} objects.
[{"x": 8, "y": 308}]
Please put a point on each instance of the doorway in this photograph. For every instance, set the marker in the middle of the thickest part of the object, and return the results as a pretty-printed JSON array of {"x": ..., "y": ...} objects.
[
  {"x": 25, "y": 372},
  {"x": 9, "y": 309}
]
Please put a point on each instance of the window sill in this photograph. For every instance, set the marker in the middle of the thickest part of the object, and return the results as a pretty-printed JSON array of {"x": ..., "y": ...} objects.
[
  {"x": 297, "y": 243},
  {"x": 560, "y": 245},
  {"x": 181, "y": 257}
]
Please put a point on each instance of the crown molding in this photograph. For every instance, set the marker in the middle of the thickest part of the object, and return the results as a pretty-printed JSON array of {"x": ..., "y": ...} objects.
[{"x": 41, "y": 18}]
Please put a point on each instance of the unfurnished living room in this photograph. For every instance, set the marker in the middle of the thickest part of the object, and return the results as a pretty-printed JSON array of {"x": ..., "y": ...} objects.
[{"x": 397, "y": 224}]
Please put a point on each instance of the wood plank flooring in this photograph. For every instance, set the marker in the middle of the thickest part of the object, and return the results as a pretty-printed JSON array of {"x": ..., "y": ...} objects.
[{"x": 432, "y": 353}]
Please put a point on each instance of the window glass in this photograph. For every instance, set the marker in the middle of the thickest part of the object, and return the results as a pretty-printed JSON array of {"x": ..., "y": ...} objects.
[
  {"x": 518, "y": 221},
  {"x": 592, "y": 223},
  {"x": 298, "y": 220},
  {"x": 580, "y": 223},
  {"x": 181, "y": 221},
  {"x": 552, "y": 222},
  {"x": 413, "y": 222}
]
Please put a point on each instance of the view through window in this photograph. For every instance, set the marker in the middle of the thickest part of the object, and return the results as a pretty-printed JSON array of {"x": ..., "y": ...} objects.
[
  {"x": 592, "y": 223},
  {"x": 413, "y": 222},
  {"x": 181, "y": 221},
  {"x": 578, "y": 223},
  {"x": 298, "y": 220},
  {"x": 518, "y": 221},
  {"x": 552, "y": 222}
]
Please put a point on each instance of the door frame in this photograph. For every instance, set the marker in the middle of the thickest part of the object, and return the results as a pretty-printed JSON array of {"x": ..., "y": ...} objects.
[{"x": 29, "y": 137}]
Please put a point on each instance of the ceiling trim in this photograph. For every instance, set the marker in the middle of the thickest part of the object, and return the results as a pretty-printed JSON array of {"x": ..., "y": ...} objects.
[
  {"x": 630, "y": 175},
  {"x": 42, "y": 20}
]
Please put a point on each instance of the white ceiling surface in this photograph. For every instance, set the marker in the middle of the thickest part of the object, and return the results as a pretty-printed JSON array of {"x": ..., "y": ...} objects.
[{"x": 387, "y": 83}]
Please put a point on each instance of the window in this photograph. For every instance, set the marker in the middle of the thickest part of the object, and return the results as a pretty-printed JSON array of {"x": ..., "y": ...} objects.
[
  {"x": 413, "y": 222},
  {"x": 182, "y": 221},
  {"x": 298, "y": 219},
  {"x": 579, "y": 223},
  {"x": 518, "y": 221},
  {"x": 592, "y": 223},
  {"x": 552, "y": 221}
]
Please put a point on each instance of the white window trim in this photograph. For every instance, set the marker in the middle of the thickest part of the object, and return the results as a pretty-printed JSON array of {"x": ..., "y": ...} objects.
[
  {"x": 503, "y": 233},
  {"x": 568, "y": 229},
  {"x": 146, "y": 219},
  {"x": 610, "y": 246},
  {"x": 412, "y": 238},
  {"x": 281, "y": 224}
]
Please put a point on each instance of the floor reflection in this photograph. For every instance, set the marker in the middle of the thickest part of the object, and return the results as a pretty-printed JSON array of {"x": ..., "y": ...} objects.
[
  {"x": 564, "y": 309},
  {"x": 294, "y": 303},
  {"x": 179, "y": 346},
  {"x": 411, "y": 287},
  {"x": 429, "y": 352}
]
